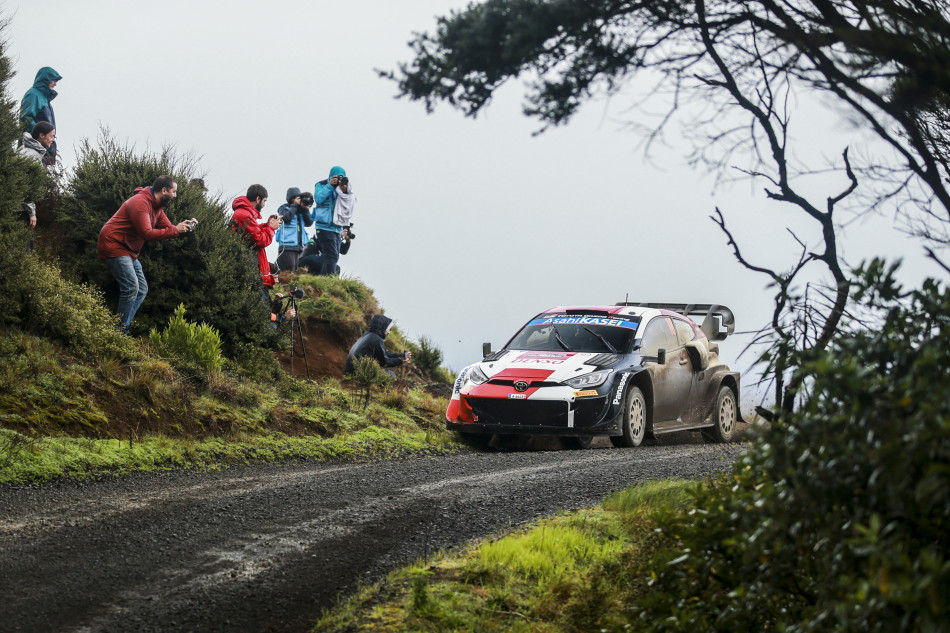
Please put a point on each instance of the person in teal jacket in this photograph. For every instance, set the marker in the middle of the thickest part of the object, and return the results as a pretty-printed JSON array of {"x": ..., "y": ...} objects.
[
  {"x": 328, "y": 233},
  {"x": 36, "y": 105}
]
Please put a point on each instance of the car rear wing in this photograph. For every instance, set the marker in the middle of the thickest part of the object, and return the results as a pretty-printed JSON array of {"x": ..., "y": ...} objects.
[{"x": 718, "y": 320}]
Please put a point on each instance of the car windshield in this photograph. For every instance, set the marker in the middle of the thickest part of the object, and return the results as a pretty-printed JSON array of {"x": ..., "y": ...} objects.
[{"x": 576, "y": 333}]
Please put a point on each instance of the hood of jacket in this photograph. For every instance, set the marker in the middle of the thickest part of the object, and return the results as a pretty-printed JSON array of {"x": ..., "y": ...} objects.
[
  {"x": 43, "y": 76},
  {"x": 33, "y": 144},
  {"x": 243, "y": 203},
  {"x": 336, "y": 171},
  {"x": 379, "y": 323}
]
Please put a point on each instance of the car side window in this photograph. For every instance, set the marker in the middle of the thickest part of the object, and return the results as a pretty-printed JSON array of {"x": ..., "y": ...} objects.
[
  {"x": 659, "y": 334},
  {"x": 684, "y": 331}
]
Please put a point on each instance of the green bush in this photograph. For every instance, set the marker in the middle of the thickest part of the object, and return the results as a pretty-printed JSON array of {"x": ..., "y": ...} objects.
[
  {"x": 211, "y": 270},
  {"x": 37, "y": 299},
  {"x": 838, "y": 518},
  {"x": 189, "y": 345},
  {"x": 368, "y": 374},
  {"x": 20, "y": 178},
  {"x": 427, "y": 356}
]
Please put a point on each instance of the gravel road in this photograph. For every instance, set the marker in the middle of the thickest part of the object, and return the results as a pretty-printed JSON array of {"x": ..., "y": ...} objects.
[{"x": 265, "y": 548}]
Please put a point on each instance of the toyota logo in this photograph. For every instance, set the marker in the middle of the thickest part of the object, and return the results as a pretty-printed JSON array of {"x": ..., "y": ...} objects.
[{"x": 521, "y": 386}]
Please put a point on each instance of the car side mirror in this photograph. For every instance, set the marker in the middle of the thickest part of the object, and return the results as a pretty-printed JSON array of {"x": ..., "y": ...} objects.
[
  {"x": 486, "y": 349},
  {"x": 661, "y": 356}
]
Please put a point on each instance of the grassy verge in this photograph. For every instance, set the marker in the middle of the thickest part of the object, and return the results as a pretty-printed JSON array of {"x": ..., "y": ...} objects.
[
  {"x": 35, "y": 459},
  {"x": 575, "y": 572},
  {"x": 67, "y": 416}
]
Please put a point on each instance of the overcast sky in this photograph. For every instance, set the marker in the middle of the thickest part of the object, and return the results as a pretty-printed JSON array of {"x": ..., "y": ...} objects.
[{"x": 465, "y": 228}]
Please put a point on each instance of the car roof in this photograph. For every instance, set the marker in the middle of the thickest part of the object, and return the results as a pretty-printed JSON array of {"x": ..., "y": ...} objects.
[{"x": 637, "y": 311}]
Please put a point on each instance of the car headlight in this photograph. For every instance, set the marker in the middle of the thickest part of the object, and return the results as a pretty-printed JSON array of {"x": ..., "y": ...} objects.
[
  {"x": 593, "y": 379},
  {"x": 476, "y": 376}
]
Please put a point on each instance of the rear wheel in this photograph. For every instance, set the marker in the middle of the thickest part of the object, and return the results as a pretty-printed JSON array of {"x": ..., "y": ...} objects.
[
  {"x": 633, "y": 419},
  {"x": 724, "y": 416}
]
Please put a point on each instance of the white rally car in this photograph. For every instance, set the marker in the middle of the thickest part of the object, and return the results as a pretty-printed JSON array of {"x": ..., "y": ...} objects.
[{"x": 628, "y": 371}]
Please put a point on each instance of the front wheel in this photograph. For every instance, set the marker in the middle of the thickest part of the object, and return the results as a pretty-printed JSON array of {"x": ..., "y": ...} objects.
[
  {"x": 633, "y": 419},
  {"x": 724, "y": 416}
]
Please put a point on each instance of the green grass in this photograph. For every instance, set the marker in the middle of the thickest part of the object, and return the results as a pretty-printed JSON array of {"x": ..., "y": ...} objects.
[
  {"x": 574, "y": 572},
  {"x": 66, "y": 416},
  {"x": 36, "y": 459}
]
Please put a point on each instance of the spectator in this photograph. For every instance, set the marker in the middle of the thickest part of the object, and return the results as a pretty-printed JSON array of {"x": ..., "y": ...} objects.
[
  {"x": 325, "y": 195},
  {"x": 35, "y": 144},
  {"x": 247, "y": 214},
  {"x": 140, "y": 219},
  {"x": 36, "y": 105},
  {"x": 312, "y": 259},
  {"x": 371, "y": 344},
  {"x": 292, "y": 233}
]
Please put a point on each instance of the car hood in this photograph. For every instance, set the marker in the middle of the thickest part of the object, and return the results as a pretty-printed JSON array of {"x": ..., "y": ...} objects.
[{"x": 539, "y": 366}]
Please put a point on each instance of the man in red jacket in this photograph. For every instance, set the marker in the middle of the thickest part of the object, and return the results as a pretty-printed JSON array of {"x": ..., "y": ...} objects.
[
  {"x": 140, "y": 219},
  {"x": 247, "y": 214}
]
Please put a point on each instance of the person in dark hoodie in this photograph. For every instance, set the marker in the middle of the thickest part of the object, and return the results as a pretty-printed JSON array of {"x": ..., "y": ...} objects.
[
  {"x": 247, "y": 214},
  {"x": 372, "y": 344},
  {"x": 292, "y": 234},
  {"x": 36, "y": 105},
  {"x": 140, "y": 219}
]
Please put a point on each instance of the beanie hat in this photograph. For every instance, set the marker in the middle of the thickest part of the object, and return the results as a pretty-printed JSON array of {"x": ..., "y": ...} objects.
[
  {"x": 292, "y": 193},
  {"x": 337, "y": 171}
]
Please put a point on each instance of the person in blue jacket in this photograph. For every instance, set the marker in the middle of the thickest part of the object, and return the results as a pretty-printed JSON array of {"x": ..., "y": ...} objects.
[
  {"x": 328, "y": 233},
  {"x": 36, "y": 105},
  {"x": 292, "y": 233}
]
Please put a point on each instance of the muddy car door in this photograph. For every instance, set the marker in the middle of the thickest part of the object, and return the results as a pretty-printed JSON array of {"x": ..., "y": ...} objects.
[{"x": 672, "y": 381}]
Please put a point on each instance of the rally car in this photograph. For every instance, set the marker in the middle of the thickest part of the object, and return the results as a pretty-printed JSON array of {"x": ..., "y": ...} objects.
[{"x": 628, "y": 371}]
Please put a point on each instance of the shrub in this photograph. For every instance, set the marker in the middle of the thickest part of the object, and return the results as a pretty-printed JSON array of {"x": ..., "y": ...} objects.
[
  {"x": 211, "y": 270},
  {"x": 39, "y": 300},
  {"x": 189, "y": 345},
  {"x": 838, "y": 518},
  {"x": 427, "y": 356},
  {"x": 20, "y": 178},
  {"x": 368, "y": 374}
]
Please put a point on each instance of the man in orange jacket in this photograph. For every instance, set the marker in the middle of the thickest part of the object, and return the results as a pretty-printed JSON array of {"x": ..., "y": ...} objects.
[{"x": 140, "y": 219}]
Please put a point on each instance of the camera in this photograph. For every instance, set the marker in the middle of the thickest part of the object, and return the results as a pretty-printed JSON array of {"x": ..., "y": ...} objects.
[
  {"x": 344, "y": 181},
  {"x": 297, "y": 293},
  {"x": 306, "y": 199},
  {"x": 192, "y": 223}
]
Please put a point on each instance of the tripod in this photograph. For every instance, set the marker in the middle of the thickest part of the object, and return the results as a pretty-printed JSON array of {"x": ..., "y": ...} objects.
[{"x": 296, "y": 332}]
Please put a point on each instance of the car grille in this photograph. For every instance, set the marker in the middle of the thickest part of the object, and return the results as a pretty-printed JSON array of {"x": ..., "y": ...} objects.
[{"x": 520, "y": 412}]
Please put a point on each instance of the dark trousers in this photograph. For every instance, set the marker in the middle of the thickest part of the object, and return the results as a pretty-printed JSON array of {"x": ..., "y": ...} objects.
[
  {"x": 288, "y": 260},
  {"x": 329, "y": 243}
]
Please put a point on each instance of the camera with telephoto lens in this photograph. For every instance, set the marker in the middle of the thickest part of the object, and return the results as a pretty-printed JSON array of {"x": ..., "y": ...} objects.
[
  {"x": 344, "y": 180},
  {"x": 297, "y": 293}
]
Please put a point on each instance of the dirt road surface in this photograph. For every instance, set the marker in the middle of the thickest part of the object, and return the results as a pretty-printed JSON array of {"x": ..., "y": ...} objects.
[{"x": 265, "y": 548}]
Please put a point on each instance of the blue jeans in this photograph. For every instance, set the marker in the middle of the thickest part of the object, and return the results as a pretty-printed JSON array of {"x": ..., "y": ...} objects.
[
  {"x": 132, "y": 287},
  {"x": 329, "y": 243}
]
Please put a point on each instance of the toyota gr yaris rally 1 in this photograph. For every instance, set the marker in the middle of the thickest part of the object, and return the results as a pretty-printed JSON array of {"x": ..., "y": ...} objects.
[{"x": 628, "y": 371}]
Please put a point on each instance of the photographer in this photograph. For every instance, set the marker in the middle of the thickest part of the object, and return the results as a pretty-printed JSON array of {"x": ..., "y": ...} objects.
[
  {"x": 292, "y": 233},
  {"x": 372, "y": 344},
  {"x": 140, "y": 219},
  {"x": 312, "y": 258},
  {"x": 246, "y": 221},
  {"x": 325, "y": 195}
]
